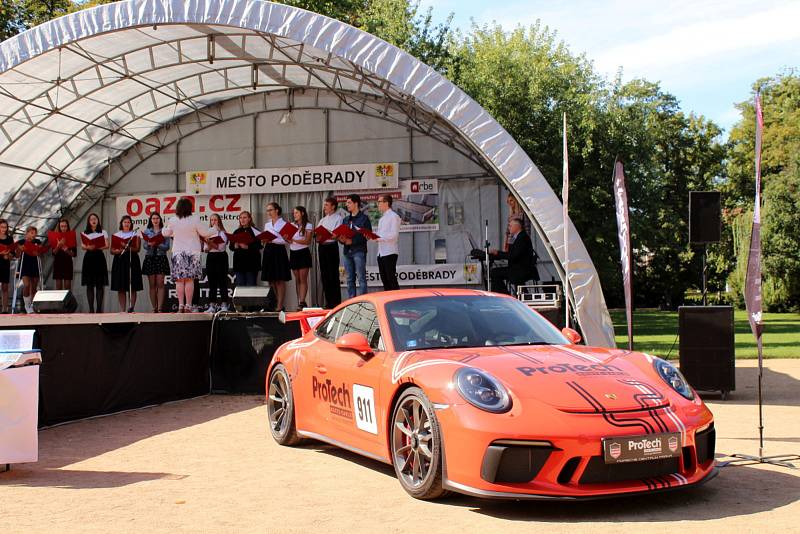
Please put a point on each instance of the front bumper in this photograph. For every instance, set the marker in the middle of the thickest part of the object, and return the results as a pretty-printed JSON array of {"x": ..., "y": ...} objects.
[{"x": 565, "y": 462}]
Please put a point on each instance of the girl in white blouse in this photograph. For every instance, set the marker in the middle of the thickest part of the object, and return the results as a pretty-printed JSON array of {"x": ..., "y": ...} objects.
[
  {"x": 275, "y": 262},
  {"x": 300, "y": 253},
  {"x": 186, "y": 232}
]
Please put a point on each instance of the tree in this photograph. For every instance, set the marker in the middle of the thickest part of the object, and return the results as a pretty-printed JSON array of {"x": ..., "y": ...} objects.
[{"x": 780, "y": 171}]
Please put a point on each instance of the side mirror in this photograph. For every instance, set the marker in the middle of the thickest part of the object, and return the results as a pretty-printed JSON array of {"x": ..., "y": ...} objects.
[
  {"x": 573, "y": 336},
  {"x": 355, "y": 341}
]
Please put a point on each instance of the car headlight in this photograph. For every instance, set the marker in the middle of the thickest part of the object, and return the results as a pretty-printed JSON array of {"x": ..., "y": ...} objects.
[
  {"x": 482, "y": 390},
  {"x": 672, "y": 376}
]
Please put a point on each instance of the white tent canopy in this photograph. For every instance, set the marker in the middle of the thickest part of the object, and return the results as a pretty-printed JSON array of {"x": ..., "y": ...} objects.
[{"x": 84, "y": 89}]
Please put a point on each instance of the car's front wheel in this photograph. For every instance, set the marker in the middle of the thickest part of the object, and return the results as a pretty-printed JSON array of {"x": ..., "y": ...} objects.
[
  {"x": 417, "y": 445},
  {"x": 280, "y": 407}
]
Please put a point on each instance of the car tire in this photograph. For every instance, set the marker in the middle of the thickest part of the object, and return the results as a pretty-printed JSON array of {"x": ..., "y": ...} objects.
[
  {"x": 280, "y": 407},
  {"x": 416, "y": 445}
]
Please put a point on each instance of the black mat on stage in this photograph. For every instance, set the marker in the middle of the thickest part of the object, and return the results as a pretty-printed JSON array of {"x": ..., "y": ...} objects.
[
  {"x": 93, "y": 369},
  {"x": 242, "y": 350}
]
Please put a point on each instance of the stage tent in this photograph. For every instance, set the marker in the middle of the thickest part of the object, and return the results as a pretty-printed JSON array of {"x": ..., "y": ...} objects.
[{"x": 87, "y": 97}]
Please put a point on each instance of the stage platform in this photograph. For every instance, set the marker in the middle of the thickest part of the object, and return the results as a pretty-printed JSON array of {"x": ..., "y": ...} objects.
[{"x": 96, "y": 364}]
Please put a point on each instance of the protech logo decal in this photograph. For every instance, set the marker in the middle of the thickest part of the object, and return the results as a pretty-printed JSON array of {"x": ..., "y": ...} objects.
[
  {"x": 593, "y": 369},
  {"x": 337, "y": 397}
]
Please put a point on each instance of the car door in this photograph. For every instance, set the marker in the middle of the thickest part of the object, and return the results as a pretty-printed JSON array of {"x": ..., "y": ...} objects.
[
  {"x": 311, "y": 406},
  {"x": 353, "y": 383}
]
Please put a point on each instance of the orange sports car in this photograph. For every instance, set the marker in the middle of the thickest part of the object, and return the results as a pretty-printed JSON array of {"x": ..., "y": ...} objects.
[{"x": 473, "y": 392}]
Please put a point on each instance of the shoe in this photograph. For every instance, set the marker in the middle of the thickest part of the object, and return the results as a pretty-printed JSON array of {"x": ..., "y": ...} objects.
[
  {"x": 303, "y": 304},
  {"x": 224, "y": 307},
  {"x": 211, "y": 309},
  {"x": 181, "y": 308}
]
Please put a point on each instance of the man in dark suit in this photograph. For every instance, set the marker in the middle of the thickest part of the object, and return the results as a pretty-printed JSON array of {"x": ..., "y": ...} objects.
[{"x": 521, "y": 259}]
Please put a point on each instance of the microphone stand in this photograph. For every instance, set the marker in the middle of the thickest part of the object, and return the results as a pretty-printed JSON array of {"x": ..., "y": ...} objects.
[{"x": 486, "y": 253}]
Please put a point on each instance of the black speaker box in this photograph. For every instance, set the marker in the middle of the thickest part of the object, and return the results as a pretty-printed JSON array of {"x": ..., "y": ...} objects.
[
  {"x": 253, "y": 299},
  {"x": 705, "y": 219},
  {"x": 54, "y": 301},
  {"x": 706, "y": 347}
]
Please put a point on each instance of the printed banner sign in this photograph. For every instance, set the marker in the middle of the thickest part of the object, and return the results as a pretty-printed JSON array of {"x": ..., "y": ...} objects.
[
  {"x": 624, "y": 235},
  {"x": 139, "y": 207},
  {"x": 441, "y": 274},
  {"x": 416, "y": 202},
  {"x": 293, "y": 179}
]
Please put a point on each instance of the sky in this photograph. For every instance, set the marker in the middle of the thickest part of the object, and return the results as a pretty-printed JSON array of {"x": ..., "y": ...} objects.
[{"x": 707, "y": 53}]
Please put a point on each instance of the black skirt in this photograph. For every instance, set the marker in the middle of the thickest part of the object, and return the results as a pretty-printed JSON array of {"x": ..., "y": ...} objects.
[
  {"x": 217, "y": 265},
  {"x": 300, "y": 259},
  {"x": 62, "y": 266},
  {"x": 120, "y": 270},
  {"x": 94, "y": 270},
  {"x": 5, "y": 265},
  {"x": 275, "y": 264},
  {"x": 155, "y": 264}
]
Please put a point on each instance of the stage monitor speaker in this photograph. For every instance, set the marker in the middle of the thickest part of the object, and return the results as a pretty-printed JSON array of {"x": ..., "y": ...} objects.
[
  {"x": 706, "y": 347},
  {"x": 252, "y": 299},
  {"x": 54, "y": 301},
  {"x": 705, "y": 219}
]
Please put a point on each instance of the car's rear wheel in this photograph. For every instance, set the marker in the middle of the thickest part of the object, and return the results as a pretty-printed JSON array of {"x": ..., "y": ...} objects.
[
  {"x": 417, "y": 445},
  {"x": 280, "y": 407}
]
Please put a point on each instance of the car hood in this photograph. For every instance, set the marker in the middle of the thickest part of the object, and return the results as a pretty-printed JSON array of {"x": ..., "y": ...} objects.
[{"x": 569, "y": 378}]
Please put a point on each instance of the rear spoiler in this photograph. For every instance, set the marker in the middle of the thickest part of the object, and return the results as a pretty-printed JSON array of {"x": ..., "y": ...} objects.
[{"x": 308, "y": 317}]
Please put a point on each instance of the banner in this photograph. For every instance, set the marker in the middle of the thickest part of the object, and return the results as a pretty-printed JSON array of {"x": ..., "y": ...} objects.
[
  {"x": 139, "y": 207},
  {"x": 752, "y": 288},
  {"x": 440, "y": 274},
  {"x": 623, "y": 224},
  {"x": 416, "y": 202},
  {"x": 565, "y": 217},
  {"x": 293, "y": 179}
]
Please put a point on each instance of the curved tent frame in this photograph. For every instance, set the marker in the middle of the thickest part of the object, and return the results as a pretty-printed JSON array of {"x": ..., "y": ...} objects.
[{"x": 81, "y": 90}]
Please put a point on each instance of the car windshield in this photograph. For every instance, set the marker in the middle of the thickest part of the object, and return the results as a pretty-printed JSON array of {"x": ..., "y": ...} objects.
[{"x": 467, "y": 321}]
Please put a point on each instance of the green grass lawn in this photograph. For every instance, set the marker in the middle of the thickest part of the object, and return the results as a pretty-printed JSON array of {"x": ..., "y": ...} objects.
[{"x": 656, "y": 331}]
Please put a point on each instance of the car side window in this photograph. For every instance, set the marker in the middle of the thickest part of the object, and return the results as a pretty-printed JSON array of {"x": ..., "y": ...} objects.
[
  {"x": 331, "y": 327},
  {"x": 361, "y": 318}
]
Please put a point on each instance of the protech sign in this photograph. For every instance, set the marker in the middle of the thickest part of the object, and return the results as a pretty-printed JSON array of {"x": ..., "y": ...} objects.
[{"x": 293, "y": 179}]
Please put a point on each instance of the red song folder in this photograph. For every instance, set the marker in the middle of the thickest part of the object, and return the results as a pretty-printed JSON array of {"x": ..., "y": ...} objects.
[
  {"x": 98, "y": 242},
  {"x": 344, "y": 231},
  {"x": 369, "y": 234},
  {"x": 155, "y": 240},
  {"x": 69, "y": 239},
  {"x": 267, "y": 236},
  {"x": 217, "y": 239},
  {"x": 288, "y": 231},
  {"x": 120, "y": 243},
  {"x": 243, "y": 238},
  {"x": 32, "y": 249},
  {"x": 322, "y": 233},
  {"x": 6, "y": 249}
]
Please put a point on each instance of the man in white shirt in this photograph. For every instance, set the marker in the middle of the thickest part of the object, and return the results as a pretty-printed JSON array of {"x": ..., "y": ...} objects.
[
  {"x": 329, "y": 254},
  {"x": 388, "y": 239}
]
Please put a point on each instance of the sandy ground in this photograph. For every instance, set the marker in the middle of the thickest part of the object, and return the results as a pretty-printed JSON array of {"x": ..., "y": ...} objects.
[{"x": 209, "y": 465}]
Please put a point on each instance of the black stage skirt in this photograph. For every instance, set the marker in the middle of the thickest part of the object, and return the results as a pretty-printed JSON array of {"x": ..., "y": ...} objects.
[
  {"x": 119, "y": 272},
  {"x": 30, "y": 266},
  {"x": 275, "y": 263},
  {"x": 5, "y": 271},
  {"x": 300, "y": 259},
  {"x": 217, "y": 265},
  {"x": 94, "y": 271},
  {"x": 62, "y": 266},
  {"x": 155, "y": 264}
]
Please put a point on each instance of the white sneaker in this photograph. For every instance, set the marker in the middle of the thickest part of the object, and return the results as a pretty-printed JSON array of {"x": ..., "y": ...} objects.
[
  {"x": 224, "y": 307},
  {"x": 211, "y": 309}
]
